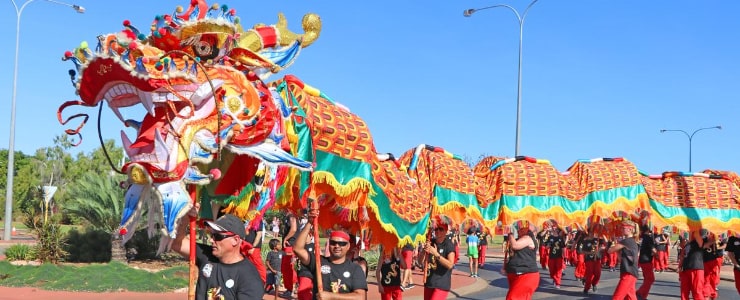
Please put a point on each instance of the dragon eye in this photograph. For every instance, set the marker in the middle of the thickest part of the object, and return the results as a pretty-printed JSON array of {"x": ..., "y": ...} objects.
[{"x": 206, "y": 48}]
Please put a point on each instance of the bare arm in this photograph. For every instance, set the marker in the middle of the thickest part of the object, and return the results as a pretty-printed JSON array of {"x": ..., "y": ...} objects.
[
  {"x": 300, "y": 245},
  {"x": 181, "y": 244},
  {"x": 521, "y": 243},
  {"x": 291, "y": 231},
  {"x": 614, "y": 248}
]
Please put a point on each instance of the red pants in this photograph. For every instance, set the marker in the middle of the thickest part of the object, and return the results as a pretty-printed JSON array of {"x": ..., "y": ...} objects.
[
  {"x": 391, "y": 293},
  {"x": 566, "y": 256},
  {"x": 692, "y": 281},
  {"x": 720, "y": 262},
  {"x": 555, "y": 265},
  {"x": 482, "y": 255},
  {"x": 737, "y": 280},
  {"x": 593, "y": 273},
  {"x": 435, "y": 294},
  {"x": 613, "y": 258},
  {"x": 626, "y": 287},
  {"x": 457, "y": 252},
  {"x": 305, "y": 288},
  {"x": 710, "y": 278},
  {"x": 648, "y": 280},
  {"x": 580, "y": 266},
  {"x": 289, "y": 274},
  {"x": 522, "y": 286},
  {"x": 544, "y": 256},
  {"x": 660, "y": 260}
]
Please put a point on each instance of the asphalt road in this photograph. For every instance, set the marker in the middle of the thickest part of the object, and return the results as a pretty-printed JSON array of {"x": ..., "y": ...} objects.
[{"x": 666, "y": 285}]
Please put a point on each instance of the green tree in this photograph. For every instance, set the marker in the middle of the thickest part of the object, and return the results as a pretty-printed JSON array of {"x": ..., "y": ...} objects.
[{"x": 98, "y": 200}]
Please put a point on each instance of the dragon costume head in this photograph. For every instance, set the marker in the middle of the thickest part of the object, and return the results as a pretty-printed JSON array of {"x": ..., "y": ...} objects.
[{"x": 199, "y": 76}]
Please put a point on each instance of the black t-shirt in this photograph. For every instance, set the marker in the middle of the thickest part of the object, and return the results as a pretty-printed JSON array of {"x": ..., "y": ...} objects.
[
  {"x": 275, "y": 259},
  {"x": 720, "y": 252},
  {"x": 733, "y": 245},
  {"x": 646, "y": 248},
  {"x": 285, "y": 228},
  {"x": 301, "y": 270},
  {"x": 523, "y": 261},
  {"x": 439, "y": 277},
  {"x": 693, "y": 257},
  {"x": 339, "y": 278},
  {"x": 591, "y": 244},
  {"x": 483, "y": 240},
  {"x": 556, "y": 245},
  {"x": 709, "y": 254},
  {"x": 629, "y": 257},
  {"x": 390, "y": 273},
  {"x": 232, "y": 281},
  {"x": 659, "y": 239}
]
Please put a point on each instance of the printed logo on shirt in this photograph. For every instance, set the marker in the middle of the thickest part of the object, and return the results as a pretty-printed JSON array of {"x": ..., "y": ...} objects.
[
  {"x": 207, "y": 269},
  {"x": 325, "y": 269},
  {"x": 230, "y": 283},
  {"x": 345, "y": 274}
]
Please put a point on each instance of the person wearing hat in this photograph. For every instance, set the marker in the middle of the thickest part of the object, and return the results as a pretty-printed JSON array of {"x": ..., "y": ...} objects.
[
  {"x": 645, "y": 261},
  {"x": 691, "y": 266},
  {"x": 521, "y": 269},
  {"x": 440, "y": 258},
  {"x": 339, "y": 275},
  {"x": 628, "y": 250},
  {"x": 224, "y": 270},
  {"x": 733, "y": 252}
]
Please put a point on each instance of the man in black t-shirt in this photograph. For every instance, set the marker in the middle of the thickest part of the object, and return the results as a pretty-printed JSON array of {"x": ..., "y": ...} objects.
[
  {"x": 733, "y": 251},
  {"x": 339, "y": 274},
  {"x": 628, "y": 250},
  {"x": 691, "y": 267},
  {"x": 592, "y": 256},
  {"x": 645, "y": 261},
  {"x": 555, "y": 246},
  {"x": 224, "y": 269}
]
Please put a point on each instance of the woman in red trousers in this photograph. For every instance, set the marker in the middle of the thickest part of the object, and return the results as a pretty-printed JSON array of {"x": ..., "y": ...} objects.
[{"x": 521, "y": 268}]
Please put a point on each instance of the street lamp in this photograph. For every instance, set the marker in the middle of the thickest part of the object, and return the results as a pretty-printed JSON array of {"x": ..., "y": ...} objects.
[
  {"x": 11, "y": 144},
  {"x": 691, "y": 137},
  {"x": 520, "y": 18}
]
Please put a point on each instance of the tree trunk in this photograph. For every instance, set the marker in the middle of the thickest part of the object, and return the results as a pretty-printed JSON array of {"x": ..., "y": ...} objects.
[{"x": 118, "y": 252}]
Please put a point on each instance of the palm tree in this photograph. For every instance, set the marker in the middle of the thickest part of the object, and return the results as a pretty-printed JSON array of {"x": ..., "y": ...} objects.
[{"x": 99, "y": 201}]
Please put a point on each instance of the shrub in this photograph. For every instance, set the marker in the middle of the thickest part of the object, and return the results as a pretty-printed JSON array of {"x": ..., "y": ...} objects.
[
  {"x": 146, "y": 248},
  {"x": 88, "y": 246},
  {"x": 19, "y": 252},
  {"x": 51, "y": 243}
]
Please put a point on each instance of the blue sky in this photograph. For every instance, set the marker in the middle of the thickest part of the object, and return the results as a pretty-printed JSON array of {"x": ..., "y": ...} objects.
[{"x": 600, "y": 77}]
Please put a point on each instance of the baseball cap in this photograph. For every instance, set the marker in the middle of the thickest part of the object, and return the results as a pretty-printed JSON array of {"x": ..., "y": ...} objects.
[{"x": 228, "y": 223}]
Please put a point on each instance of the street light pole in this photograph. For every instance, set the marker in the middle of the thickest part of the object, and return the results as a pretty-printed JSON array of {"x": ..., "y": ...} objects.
[
  {"x": 11, "y": 143},
  {"x": 690, "y": 137},
  {"x": 520, "y": 18}
]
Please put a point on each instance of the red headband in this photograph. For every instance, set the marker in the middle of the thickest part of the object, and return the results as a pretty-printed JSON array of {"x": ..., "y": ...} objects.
[{"x": 339, "y": 234}]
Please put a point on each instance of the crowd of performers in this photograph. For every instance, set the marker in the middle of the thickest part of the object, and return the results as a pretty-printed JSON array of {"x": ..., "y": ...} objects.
[{"x": 231, "y": 266}]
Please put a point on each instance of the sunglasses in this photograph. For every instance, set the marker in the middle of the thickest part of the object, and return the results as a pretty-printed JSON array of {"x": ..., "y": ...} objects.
[
  {"x": 339, "y": 243},
  {"x": 217, "y": 236}
]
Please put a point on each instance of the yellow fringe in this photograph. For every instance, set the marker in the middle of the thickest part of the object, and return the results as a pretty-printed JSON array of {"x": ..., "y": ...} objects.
[{"x": 343, "y": 190}]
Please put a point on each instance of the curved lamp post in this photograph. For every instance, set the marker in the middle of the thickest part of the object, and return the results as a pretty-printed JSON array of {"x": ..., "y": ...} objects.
[
  {"x": 690, "y": 136},
  {"x": 11, "y": 144},
  {"x": 520, "y": 18}
]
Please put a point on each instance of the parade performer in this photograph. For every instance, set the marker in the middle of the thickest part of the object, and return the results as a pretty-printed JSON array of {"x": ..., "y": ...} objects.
[
  {"x": 592, "y": 256},
  {"x": 661, "y": 247},
  {"x": 338, "y": 273},
  {"x": 556, "y": 245},
  {"x": 647, "y": 251},
  {"x": 440, "y": 257},
  {"x": 225, "y": 271},
  {"x": 733, "y": 251},
  {"x": 711, "y": 268},
  {"x": 389, "y": 275},
  {"x": 691, "y": 266},
  {"x": 627, "y": 248},
  {"x": 482, "y": 247},
  {"x": 579, "y": 259},
  {"x": 521, "y": 269},
  {"x": 542, "y": 238}
]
